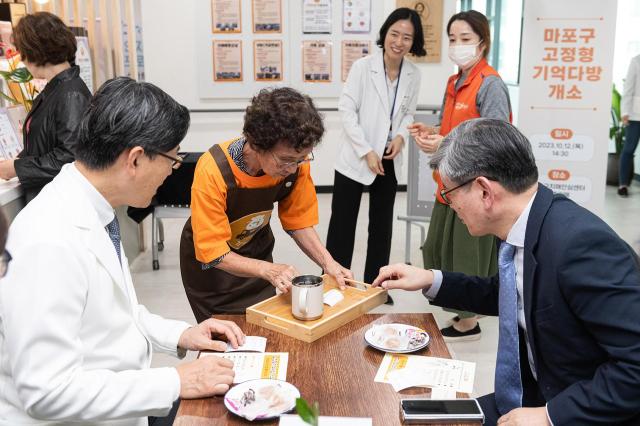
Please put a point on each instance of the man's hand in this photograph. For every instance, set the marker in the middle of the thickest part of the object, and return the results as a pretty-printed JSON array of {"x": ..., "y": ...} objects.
[
  {"x": 279, "y": 275},
  {"x": 403, "y": 276},
  {"x": 338, "y": 272},
  {"x": 429, "y": 143},
  {"x": 204, "y": 377},
  {"x": 7, "y": 169},
  {"x": 395, "y": 147},
  {"x": 525, "y": 417},
  {"x": 625, "y": 120},
  {"x": 200, "y": 337},
  {"x": 374, "y": 163}
]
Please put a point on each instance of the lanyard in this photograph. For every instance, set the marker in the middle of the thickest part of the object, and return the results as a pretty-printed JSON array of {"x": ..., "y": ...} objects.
[{"x": 395, "y": 95}]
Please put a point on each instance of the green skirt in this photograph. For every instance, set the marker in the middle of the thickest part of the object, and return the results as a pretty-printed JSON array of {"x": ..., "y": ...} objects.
[{"x": 449, "y": 247}]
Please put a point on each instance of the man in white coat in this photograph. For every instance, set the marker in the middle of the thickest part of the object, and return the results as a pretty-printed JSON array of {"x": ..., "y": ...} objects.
[{"x": 75, "y": 345}]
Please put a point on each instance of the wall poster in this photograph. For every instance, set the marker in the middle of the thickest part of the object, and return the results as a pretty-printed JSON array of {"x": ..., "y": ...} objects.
[
  {"x": 352, "y": 50},
  {"x": 226, "y": 16},
  {"x": 316, "y": 61},
  {"x": 430, "y": 12},
  {"x": 227, "y": 60},
  {"x": 356, "y": 16},
  {"x": 267, "y": 16},
  {"x": 267, "y": 60},
  {"x": 316, "y": 17}
]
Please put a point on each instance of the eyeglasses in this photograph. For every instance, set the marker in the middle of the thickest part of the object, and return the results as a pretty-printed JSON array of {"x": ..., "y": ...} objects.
[
  {"x": 444, "y": 192},
  {"x": 287, "y": 164},
  {"x": 177, "y": 161},
  {"x": 4, "y": 263}
]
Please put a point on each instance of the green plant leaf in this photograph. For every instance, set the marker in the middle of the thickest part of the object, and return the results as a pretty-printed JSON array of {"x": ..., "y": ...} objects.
[
  {"x": 20, "y": 75},
  {"x": 308, "y": 414},
  {"x": 9, "y": 98}
]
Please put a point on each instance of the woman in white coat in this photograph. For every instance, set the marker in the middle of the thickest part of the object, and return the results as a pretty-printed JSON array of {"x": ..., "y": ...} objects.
[{"x": 377, "y": 104}]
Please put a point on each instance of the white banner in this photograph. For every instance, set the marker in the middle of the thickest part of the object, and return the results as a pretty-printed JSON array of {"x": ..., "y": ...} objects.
[{"x": 565, "y": 93}]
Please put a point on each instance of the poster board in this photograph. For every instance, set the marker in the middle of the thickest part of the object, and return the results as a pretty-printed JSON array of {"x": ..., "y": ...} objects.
[
  {"x": 421, "y": 187},
  {"x": 431, "y": 15},
  {"x": 565, "y": 94},
  {"x": 300, "y": 25}
]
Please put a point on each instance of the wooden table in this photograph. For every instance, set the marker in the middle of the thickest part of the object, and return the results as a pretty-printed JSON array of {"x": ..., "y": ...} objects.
[{"x": 337, "y": 371}]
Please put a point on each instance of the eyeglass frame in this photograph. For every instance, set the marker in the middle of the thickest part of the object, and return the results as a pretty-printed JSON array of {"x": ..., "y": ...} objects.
[
  {"x": 310, "y": 157},
  {"x": 177, "y": 161},
  {"x": 5, "y": 258},
  {"x": 444, "y": 192}
]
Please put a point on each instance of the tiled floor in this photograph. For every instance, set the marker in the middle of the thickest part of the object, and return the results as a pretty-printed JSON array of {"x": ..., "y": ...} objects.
[{"x": 162, "y": 292}]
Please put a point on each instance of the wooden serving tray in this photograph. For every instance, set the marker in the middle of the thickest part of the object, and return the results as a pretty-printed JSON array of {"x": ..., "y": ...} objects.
[{"x": 275, "y": 312}]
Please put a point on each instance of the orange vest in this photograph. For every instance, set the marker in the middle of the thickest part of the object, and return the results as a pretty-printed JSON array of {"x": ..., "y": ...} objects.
[{"x": 460, "y": 105}]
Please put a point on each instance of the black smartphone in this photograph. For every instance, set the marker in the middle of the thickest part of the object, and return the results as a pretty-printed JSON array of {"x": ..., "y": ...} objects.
[{"x": 440, "y": 410}]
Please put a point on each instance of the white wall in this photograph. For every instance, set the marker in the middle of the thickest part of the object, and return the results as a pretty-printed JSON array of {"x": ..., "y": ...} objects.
[{"x": 169, "y": 34}]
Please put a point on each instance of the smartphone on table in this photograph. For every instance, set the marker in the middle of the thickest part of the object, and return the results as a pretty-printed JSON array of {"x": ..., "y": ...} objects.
[{"x": 440, "y": 411}]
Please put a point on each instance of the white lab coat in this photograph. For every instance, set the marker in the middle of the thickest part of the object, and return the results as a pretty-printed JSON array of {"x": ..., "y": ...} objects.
[
  {"x": 364, "y": 107},
  {"x": 630, "y": 104},
  {"x": 75, "y": 345}
]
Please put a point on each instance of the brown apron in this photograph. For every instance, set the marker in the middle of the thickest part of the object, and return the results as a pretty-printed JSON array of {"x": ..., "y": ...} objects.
[{"x": 214, "y": 291}]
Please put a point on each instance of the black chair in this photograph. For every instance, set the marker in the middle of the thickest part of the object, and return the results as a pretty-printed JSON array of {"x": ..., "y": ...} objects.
[{"x": 172, "y": 201}]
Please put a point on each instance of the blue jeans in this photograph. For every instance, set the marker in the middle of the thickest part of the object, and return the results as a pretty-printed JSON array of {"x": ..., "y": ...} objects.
[{"x": 631, "y": 136}]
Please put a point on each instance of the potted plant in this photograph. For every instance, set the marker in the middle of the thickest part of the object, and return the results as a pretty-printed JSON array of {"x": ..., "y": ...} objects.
[
  {"x": 18, "y": 80},
  {"x": 616, "y": 133}
]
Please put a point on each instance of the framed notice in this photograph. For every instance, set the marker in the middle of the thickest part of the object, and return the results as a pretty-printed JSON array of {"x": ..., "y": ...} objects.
[
  {"x": 430, "y": 12},
  {"x": 267, "y": 16},
  {"x": 226, "y": 16},
  {"x": 356, "y": 16},
  {"x": 316, "y": 61},
  {"x": 352, "y": 50},
  {"x": 227, "y": 60},
  {"x": 316, "y": 16},
  {"x": 267, "y": 60}
]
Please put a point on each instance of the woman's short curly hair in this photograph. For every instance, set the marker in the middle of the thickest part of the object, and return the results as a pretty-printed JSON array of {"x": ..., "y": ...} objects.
[
  {"x": 42, "y": 38},
  {"x": 282, "y": 115}
]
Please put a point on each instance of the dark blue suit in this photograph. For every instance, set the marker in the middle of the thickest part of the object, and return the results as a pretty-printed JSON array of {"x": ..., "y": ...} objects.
[{"x": 582, "y": 309}]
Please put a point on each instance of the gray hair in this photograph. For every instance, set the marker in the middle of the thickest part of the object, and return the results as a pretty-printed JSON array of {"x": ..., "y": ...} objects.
[{"x": 487, "y": 147}]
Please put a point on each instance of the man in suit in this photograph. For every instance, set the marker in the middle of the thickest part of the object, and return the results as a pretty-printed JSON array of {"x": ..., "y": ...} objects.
[
  {"x": 568, "y": 288},
  {"x": 75, "y": 343}
]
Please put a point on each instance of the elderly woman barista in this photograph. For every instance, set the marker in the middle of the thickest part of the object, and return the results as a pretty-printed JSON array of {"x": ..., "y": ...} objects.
[{"x": 226, "y": 249}]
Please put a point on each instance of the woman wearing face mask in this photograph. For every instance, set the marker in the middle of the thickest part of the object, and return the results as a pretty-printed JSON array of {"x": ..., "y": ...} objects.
[
  {"x": 376, "y": 106},
  {"x": 475, "y": 91}
]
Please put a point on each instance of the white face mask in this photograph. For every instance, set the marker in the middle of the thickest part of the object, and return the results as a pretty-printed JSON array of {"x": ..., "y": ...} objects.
[{"x": 463, "y": 54}]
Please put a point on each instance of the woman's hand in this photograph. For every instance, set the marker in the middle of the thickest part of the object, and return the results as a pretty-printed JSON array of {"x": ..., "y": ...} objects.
[
  {"x": 374, "y": 163},
  {"x": 395, "y": 147},
  {"x": 338, "y": 272},
  {"x": 421, "y": 130},
  {"x": 429, "y": 144},
  {"x": 7, "y": 169},
  {"x": 279, "y": 275}
]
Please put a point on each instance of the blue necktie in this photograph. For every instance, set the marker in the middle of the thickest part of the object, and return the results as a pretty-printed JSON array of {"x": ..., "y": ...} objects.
[
  {"x": 508, "y": 383},
  {"x": 113, "y": 229}
]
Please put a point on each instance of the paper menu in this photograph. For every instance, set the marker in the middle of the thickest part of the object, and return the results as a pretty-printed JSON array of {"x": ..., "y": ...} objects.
[
  {"x": 295, "y": 420},
  {"x": 251, "y": 344},
  {"x": 251, "y": 366},
  {"x": 10, "y": 145},
  {"x": 404, "y": 371}
]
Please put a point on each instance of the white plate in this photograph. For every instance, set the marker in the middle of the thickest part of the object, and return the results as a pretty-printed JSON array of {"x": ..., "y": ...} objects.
[
  {"x": 261, "y": 399},
  {"x": 397, "y": 338}
]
